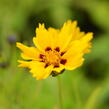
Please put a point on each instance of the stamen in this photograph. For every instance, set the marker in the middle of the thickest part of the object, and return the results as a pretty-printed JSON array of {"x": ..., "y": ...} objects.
[
  {"x": 63, "y": 61},
  {"x": 57, "y": 49},
  {"x": 48, "y": 49}
]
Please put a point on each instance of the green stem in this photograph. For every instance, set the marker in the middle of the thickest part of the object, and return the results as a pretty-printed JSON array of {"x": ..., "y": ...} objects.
[
  {"x": 77, "y": 94},
  {"x": 59, "y": 92}
]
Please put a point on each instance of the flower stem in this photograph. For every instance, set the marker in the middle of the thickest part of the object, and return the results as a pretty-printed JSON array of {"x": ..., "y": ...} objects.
[
  {"x": 60, "y": 92},
  {"x": 77, "y": 94}
]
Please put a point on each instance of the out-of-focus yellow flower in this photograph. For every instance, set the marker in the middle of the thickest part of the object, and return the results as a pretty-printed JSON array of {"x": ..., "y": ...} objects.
[{"x": 55, "y": 50}]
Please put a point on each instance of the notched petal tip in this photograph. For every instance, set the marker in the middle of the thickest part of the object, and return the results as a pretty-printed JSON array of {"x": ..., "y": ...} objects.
[
  {"x": 34, "y": 41},
  {"x": 75, "y": 21},
  {"x": 90, "y": 34},
  {"x": 18, "y": 44},
  {"x": 87, "y": 37},
  {"x": 41, "y": 26},
  {"x": 71, "y": 22},
  {"x": 23, "y": 63}
]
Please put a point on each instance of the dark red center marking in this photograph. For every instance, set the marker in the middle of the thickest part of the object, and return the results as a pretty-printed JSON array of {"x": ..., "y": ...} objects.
[
  {"x": 48, "y": 49},
  {"x": 56, "y": 66},
  {"x": 62, "y": 53},
  {"x": 57, "y": 49},
  {"x": 63, "y": 61},
  {"x": 41, "y": 56},
  {"x": 46, "y": 65}
]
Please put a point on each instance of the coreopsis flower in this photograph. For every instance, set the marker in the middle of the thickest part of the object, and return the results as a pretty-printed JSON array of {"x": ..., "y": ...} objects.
[{"x": 55, "y": 50}]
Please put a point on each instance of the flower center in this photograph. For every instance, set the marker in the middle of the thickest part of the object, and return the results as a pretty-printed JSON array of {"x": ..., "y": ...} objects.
[{"x": 52, "y": 57}]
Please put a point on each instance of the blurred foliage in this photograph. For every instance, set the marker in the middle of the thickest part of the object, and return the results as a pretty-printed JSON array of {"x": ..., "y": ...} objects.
[{"x": 84, "y": 88}]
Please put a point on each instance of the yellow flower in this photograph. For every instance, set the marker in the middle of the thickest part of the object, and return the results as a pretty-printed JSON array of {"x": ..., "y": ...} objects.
[{"x": 55, "y": 50}]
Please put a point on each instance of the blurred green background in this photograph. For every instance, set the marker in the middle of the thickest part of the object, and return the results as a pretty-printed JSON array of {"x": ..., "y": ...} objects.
[{"x": 84, "y": 88}]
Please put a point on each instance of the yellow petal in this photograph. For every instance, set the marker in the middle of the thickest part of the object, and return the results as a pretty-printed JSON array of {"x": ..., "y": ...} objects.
[
  {"x": 39, "y": 71},
  {"x": 53, "y": 37},
  {"x": 66, "y": 34},
  {"x": 24, "y": 56},
  {"x": 81, "y": 45},
  {"x": 87, "y": 37},
  {"x": 86, "y": 41},
  {"x": 77, "y": 34},
  {"x": 44, "y": 39},
  {"x": 54, "y": 34},
  {"x": 59, "y": 69},
  {"x": 28, "y": 52},
  {"x": 74, "y": 56},
  {"x": 23, "y": 63},
  {"x": 75, "y": 53},
  {"x": 74, "y": 63}
]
